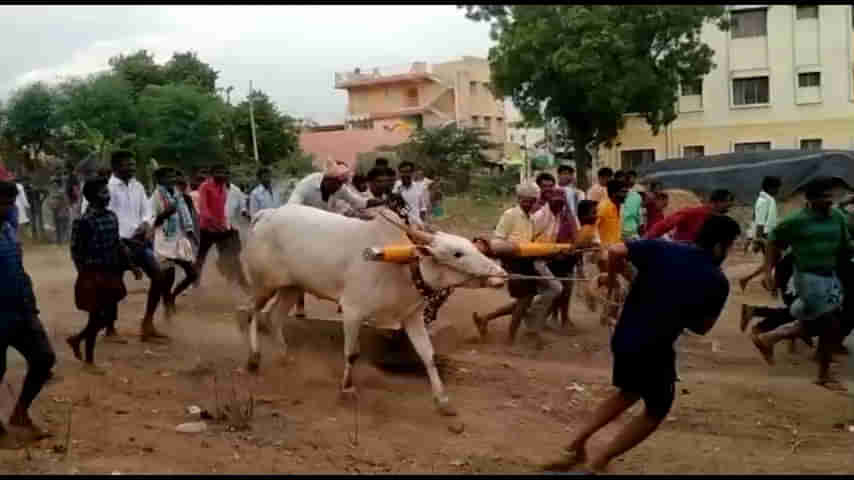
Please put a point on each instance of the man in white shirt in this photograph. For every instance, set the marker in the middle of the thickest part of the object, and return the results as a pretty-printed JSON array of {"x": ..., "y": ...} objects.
[
  {"x": 412, "y": 193},
  {"x": 424, "y": 183},
  {"x": 574, "y": 195},
  {"x": 23, "y": 208},
  {"x": 263, "y": 195},
  {"x": 323, "y": 190},
  {"x": 764, "y": 221},
  {"x": 132, "y": 206}
]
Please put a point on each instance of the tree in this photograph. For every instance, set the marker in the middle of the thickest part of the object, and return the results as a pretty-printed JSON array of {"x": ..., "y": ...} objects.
[
  {"x": 31, "y": 117},
  {"x": 589, "y": 65},
  {"x": 98, "y": 113},
  {"x": 277, "y": 134},
  {"x": 182, "y": 126},
  {"x": 187, "y": 68},
  {"x": 448, "y": 151},
  {"x": 139, "y": 69}
]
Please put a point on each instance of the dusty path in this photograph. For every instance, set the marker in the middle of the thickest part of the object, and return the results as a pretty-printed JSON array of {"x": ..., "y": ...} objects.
[{"x": 517, "y": 406}]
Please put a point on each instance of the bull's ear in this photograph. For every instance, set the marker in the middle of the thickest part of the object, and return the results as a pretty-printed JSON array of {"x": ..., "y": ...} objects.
[{"x": 423, "y": 251}]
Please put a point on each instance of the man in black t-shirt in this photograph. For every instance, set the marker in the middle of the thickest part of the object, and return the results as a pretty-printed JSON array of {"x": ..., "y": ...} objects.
[{"x": 678, "y": 286}]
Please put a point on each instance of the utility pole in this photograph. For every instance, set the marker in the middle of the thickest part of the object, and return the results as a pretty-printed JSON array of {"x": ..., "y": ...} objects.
[{"x": 252, "y": 125}]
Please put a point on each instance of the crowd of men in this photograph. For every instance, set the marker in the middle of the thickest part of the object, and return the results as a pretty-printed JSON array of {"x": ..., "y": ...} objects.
[
  {"x": 671, "y": 268},
  {"x": 669, "y": 265},
  {"x": 114, "y": 225}
]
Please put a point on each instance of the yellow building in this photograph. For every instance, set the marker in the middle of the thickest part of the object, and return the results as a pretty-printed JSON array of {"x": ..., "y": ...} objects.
[
  {"x": 783, "y": 80},
  {"x": 405, "y": 97}
]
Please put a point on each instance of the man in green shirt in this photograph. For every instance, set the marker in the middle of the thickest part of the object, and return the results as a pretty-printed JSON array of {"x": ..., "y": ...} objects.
[
  {"x": 818, "y": 236},
  {"x": 631, "y": 210}
]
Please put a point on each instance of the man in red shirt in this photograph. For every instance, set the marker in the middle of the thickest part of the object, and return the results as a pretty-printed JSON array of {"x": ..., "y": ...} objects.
[
  {"x": 686, "y": 223},
  {"x": 214, "y": 226},
  {"x": 655, "y": 204}
]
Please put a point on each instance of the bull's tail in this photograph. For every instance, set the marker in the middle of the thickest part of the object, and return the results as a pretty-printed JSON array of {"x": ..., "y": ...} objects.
[{"x": 238, "y": 267}]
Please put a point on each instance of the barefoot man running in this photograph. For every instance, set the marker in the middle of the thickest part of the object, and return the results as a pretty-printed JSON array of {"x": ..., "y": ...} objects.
[{"x": 678, "y": 286}]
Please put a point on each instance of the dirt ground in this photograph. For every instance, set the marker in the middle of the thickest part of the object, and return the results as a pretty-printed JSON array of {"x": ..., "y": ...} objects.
[{"x": 518, "y": 406}]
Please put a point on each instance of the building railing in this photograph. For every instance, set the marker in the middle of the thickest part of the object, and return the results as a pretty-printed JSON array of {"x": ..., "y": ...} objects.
[{"x": 367, "y": 74}]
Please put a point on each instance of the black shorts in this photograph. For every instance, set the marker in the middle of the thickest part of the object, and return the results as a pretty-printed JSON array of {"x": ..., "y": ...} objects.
[
  {"x": 520, "y": 266},
  {"x": 26, "y": 334},
  {"x": 563, "y": 268},
  {"x": 653, "y": 381}
]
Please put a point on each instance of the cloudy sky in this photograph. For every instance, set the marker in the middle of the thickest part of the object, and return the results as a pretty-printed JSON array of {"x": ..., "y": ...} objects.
[{"x": 289, "y": 51}]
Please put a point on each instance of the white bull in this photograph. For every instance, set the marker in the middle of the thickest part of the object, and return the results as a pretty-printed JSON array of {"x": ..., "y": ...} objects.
[{"x": 296, "y": 248}]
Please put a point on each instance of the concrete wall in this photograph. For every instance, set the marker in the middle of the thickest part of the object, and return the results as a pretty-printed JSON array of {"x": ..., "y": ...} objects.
[{"x": 791, "y": 46}]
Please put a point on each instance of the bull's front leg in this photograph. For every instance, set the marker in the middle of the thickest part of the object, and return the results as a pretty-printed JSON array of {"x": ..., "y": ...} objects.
[
  {"x": 352, "y": 324},
  {"x": 417, "y": 332},
  {"x": 254, "y": 350}
]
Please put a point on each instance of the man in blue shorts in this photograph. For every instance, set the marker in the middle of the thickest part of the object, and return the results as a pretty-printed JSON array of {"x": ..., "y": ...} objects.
[{"x": 678, "y": 286}]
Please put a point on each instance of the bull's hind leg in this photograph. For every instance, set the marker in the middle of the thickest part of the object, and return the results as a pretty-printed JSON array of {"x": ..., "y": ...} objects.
[
  {"x": 260, "y": 302},
  {"x": 352, "y": 322},
  {"x": 417, "y": 332},
  {"x": 288, "y": 297}
]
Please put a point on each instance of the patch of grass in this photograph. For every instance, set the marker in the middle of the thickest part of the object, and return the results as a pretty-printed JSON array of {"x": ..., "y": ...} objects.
[{"x": 468, "y": 215}]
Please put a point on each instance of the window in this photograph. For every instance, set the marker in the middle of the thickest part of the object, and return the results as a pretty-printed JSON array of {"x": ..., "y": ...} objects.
[
  {"x": 411, "y": 97},
  {"x": 750, "y": 91},
  {"x": 749, "y": 23},
  {"x": 752, "y": 147},
  {"x": 472, "y": 88},
  {"x": 692, "y": 88},
  {"x": 487, "y": 122},
  {"x": 811, "y": 144},
  {"x": 693, "y": 151},
  {"x": 806, "y": 11},
  {"x": 811, "y": 79},
  {"x": 632, "y": 159}
]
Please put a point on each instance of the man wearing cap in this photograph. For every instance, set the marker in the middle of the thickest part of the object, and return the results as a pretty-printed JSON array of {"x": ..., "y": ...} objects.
[
  {"x": 323, "y": 190},
  {"x": 517, "y": 226}
]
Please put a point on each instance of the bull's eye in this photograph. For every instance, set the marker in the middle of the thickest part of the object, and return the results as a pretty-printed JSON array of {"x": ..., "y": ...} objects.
[{"x": 458, "y": 254}]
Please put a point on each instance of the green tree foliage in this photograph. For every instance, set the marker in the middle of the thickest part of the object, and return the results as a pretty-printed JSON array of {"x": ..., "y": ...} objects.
[
  {"x": 139, "y": 69},
  {"x": 277, "y": 134},
  {"x": 172, "y": 113},
  {"x": 188, "y": 69},
  {"x": 589, "y": 65},
  {"x": 31, "y": 117},
  {"x": 448, "y": 152},
  {"x": 181, "y": 125},
  {"x": 98, "y": 114}
]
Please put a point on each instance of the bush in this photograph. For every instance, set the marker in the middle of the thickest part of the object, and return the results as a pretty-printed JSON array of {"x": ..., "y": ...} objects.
[{"x": 498, "y": 185}]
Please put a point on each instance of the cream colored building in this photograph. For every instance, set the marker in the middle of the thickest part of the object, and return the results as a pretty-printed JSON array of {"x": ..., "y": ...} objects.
[
  {"x": 405, "y": 97},
  {"x": 518, "y": 136},
  {"x": 783, "y": 80}
]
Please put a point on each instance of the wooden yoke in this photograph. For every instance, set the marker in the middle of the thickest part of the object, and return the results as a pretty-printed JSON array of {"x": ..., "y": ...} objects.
[{"x": 499, "y": 249}]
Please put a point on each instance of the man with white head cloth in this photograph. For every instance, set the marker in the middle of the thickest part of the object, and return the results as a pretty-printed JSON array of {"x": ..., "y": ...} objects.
[
  {"x": 324, "y": 190},
  {"x": 533, "y": 297}
]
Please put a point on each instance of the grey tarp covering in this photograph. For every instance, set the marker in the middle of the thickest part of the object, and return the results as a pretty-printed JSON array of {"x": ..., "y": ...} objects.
[{"x": 742, "y": 173}]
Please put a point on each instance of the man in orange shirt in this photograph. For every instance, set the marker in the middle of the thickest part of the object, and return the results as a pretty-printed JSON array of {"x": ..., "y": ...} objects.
[
  {"x": 610, "y": 230},
  {"x": 608, "y": 213},
  {"x": 598, "y": 192}
]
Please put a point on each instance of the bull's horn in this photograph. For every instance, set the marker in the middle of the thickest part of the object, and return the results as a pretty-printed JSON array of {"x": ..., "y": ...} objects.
[
  {"x": 393, "y": 221},
  {"x": 417, "y": 235},
  {"x": 421, "y": 237}
]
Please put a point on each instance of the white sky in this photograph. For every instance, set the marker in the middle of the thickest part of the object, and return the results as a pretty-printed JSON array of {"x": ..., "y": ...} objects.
[{"x": 289, "y": 51}]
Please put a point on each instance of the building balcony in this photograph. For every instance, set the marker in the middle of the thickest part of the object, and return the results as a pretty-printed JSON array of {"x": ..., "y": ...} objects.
[{"x": 410, "y": 72}]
